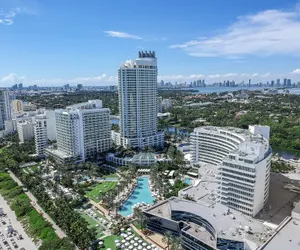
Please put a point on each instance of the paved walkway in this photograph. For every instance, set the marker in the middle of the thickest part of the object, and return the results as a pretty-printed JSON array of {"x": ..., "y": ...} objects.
[
  {"x": 102, "y": 209},
  {"x": 12, "y": 220},
  {"x": 34, "y": 203},
  {"x": 153, "y": 239}
]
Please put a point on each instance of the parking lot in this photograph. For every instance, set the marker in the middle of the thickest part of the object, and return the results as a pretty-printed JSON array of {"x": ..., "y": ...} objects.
[{"x": 12, "y": 234}]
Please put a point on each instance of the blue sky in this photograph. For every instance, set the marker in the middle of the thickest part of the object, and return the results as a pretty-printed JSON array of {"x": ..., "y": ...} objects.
[{"x": 53, "y": 42}]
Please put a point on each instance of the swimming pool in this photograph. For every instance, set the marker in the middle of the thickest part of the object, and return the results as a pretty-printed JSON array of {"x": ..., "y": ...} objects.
[
  {"x": 188, "y": 181},
  {"x": 141, "y": 193}
]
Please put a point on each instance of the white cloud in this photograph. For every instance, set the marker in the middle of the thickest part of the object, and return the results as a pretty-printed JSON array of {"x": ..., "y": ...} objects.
[
  {"x": 296, "y": 71},
  {"x": 122, "y": 35},
  {"x": 7, "y": 18},
  {"x": 271, "y": 32},
  {"x": 12, "y": 78},
  {"x": 103, "y": 79}
]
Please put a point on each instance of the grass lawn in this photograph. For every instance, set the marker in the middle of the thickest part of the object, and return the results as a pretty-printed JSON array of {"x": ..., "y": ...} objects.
[
  {"x": 113, "y": 175},
  {"x": 102, "y": 188},
  {"x": 109, "y": 242},
  {"x": 92, "y": 224}
]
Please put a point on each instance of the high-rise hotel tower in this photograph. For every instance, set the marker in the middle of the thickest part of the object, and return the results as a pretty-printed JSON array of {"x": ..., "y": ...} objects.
[{"x": 137, "y": 86}]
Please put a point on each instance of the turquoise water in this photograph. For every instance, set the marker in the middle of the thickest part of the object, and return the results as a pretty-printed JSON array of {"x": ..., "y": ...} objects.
[
  {"x": 140, "y": 194},
  {"x": 188, "y": 181}
]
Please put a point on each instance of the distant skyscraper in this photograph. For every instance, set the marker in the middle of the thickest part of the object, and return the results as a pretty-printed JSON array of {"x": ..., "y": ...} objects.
[
  {"x": 289, "y": 83},
  {"x": 20, "y": 85},
  {"x": 284, "y": 82},
  {"x": 138, "y": 103},
  {"x": 277, "y": 82},
  {"x": 79, "y": 87}
]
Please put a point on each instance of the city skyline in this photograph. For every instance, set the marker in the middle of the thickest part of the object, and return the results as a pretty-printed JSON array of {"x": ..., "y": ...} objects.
[{"x": 211, "y": 41}]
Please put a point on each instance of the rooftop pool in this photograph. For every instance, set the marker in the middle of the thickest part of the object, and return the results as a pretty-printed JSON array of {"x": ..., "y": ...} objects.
[
  {"x": 141, "y": 193},
  {"x": 188, "y": 181}
]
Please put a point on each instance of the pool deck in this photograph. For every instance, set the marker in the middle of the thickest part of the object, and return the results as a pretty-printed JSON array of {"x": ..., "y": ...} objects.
[
  {"x": 155, "y": 238},
  {"x": 120, "y": 211}
]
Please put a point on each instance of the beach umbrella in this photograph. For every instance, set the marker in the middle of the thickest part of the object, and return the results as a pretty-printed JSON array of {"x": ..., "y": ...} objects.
[
  {"x": 127, "y": 244},
  {"x": 144, "y": 244},
  {"x": 136, "y": 238},
  {"x": 129, "y": 229},
  {"x": 116, "y": 240},
  {"x": 135, "y": 244},
  {"x": 132, "y": 241},
  {"x": 123, "y": 241},
  {"x": 130, "y": 247},
  {"x": 140, "y": 247},
  {"x": 129, "y": 233},
  {"x": 108, "y": 249},
  {"x": 148, "y": 247},
  {"x": 118, "y": 244}
]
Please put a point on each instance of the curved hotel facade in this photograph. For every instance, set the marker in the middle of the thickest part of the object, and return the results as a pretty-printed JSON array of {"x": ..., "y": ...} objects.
[
  {"x": 202, "y": 227},
  {"x": 243, "y": 160}
]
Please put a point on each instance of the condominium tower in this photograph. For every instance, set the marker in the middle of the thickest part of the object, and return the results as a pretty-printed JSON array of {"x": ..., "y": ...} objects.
[
  {"x": 243, "y": 160},
  {"x": 83, "y": 130},
  {"x": 138, "y": 103},
  {"x": 5, "y": 107},
  {"x": 44, "y": 130}
]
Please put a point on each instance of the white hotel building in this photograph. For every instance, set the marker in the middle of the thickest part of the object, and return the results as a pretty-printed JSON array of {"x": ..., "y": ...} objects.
[
  {"x": 138, "y": 103},
  {"x": 243, "y": 160},
  {"x": 44, "y": 130},
  {"x": 83, "y": 130}
]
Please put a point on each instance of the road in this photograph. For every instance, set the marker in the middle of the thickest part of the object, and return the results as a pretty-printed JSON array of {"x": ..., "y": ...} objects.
[{"x": 34, "y": 203}]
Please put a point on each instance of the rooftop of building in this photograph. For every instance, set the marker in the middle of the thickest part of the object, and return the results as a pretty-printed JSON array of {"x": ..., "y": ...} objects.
[
  {"x": 228, "y": 224},
  {"x": 91, "y": 104},
  {"x": 144, "y": 156},
  {"x": 59, "y": 153},
  {"x": 203, "y": 191},
  {"x": 242, "y": 135},
  {"x": 287, "y": 236}
]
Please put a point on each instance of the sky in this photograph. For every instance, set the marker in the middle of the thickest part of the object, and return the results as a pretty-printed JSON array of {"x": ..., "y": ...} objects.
[{"x": 55, "y": 42}]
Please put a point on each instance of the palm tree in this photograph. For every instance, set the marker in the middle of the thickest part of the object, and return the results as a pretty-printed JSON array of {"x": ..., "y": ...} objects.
[
  {"x": 167, "y": 239},
  {"x": 140, "y": 216},
  {"x": 175, "y": 244}
]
